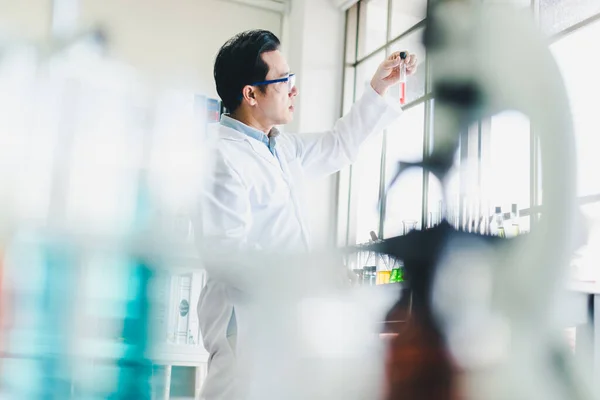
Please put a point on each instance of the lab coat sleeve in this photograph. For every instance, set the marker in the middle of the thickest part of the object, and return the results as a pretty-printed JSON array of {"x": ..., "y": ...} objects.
[
  {"x": 225, "y": 213},
  {"x": 324, "y": 153}
]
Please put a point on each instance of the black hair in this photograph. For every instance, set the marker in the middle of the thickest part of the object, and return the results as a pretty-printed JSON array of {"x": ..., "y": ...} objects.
[{"x": 239, "y": 63}]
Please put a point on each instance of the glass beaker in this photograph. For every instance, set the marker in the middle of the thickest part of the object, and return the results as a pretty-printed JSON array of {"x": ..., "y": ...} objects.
[
  {"x": 397, "y": 274},
  {"x": 408, "y": 225},
  {"x": 384, "y": 269}
]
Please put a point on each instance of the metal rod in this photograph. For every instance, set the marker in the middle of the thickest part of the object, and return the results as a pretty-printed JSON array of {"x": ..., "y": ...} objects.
[
  {"x": 581, "y": 201},
  {"x": 338, "y": 175},
  {"x": 350, "y": 217},
  {"x": 417, "y": 102},
  {"x": 588, "y": 21},
  {"x": 382, "y": 191},
  {"x": 388, "y": 29}
]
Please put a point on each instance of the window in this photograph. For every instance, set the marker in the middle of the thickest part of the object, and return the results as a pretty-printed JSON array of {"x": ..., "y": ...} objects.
[
  {"x": 351, "y": 38},
  {"x": 508, "y": 179},
  {"x": 373, "y": 20},
  {"x": 366, "y": 171},
  {"x": 366, "y": 179},
  {"x": 585, "y": 263},
  {"x": 576, "y": 56},
  {"x": 365, "y": 71},
  {"x": 496, "y": 164},
  {"x": 439, "y": 206},
  {"x": 406, "y": 14},
  {"x": 348, "y": 99},
  {"x": 404, "y": 142},
  {"x": 369, "y": 40}
]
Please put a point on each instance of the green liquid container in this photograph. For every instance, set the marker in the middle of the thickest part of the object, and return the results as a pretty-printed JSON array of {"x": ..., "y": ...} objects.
[{"x": 397, "y": 275}]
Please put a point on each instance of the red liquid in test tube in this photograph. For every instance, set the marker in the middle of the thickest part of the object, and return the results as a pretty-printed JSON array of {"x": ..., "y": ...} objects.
[
  {"x": 403, "y": 79},
  {"x": 402, "y": 93}
]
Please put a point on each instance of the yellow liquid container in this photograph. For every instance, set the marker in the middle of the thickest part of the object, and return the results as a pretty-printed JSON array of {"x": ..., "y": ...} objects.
[{"x": 383, "y": 277}]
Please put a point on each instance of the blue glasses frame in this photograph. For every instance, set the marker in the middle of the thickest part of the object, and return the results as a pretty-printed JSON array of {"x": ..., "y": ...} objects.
[{"x": 290, "y": 79}]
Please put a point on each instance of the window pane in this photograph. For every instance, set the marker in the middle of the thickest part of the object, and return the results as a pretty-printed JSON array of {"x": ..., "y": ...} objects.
[
  {"x": 406, "y": 14},
  {"x": 415, "y": 84},
  {"x": 434, "y": 189},
  {"x": 437, "y": 205},
  {"x": 558, "y": 15},
  {"x": 365, "y": 71},
  {"x": 365, "y": 188},
  {"x": 351, "y": 21},
  {"x": 404, "y": 142},
  {"x": 580, "y": 72},
  {"x": 508, "y": 179},
  {"x": 366, "y": 171},
  {"x": 464, "y": 194},
  {"x": 348, "y": 98},
  {"x": 373, "y": 26},
  {"x": 584, "y": 267},
  {"x": 435, "y": 197}
]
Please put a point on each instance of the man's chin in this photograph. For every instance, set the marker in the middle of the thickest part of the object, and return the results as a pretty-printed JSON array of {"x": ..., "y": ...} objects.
[{"x": 286, "y": 120}]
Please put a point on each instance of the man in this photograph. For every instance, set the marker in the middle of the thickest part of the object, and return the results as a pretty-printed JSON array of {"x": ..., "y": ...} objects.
[{"x": 253, "y": 198}]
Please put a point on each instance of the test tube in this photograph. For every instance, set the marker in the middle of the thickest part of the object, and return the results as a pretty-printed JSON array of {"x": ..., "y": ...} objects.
[{"x": 403, "y": 56}]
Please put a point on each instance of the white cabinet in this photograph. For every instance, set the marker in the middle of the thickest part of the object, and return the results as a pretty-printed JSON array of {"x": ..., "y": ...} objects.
[{"x": 180, "y": 359}]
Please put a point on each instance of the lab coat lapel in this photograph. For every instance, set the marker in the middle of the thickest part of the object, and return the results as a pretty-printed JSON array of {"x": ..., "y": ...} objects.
[
  {"x": 283, "y": 164},
  {"x": 262, "y": 150},
  {"x": 258, "y": 147}
]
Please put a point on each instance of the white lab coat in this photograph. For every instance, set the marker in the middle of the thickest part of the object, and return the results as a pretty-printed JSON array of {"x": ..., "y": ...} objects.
[{"x": 253, "y": 200}]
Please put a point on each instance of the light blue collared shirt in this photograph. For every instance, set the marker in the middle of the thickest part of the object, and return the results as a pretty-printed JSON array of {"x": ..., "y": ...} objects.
[{"x": 254, "y": 133}]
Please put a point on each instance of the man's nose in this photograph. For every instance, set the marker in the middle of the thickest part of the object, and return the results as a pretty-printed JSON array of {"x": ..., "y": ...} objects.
[{"x": 294, "y": 92}]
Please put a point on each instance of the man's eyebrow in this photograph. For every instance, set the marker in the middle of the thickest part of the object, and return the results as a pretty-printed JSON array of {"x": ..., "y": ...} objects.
[{"x": 284, "y": 74}]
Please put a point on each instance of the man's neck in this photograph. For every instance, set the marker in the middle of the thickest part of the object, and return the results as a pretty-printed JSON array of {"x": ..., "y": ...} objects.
[{"x": 251, "y": 121}]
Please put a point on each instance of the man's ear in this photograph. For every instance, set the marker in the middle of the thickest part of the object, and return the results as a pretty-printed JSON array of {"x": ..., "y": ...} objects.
[{"x": 249, "y": 95}]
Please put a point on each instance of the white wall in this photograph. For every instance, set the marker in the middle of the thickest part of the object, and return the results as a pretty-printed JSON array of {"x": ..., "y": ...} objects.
[
  {"x": 175, "y": 41},
  {"x": 25, "y": 19},
  {"x": 313, "y": 40},
  {"x": 171, "y": 42}
]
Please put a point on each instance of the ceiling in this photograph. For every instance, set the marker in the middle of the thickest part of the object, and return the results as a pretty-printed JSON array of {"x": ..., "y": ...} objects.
[{"x": 280, "y": 6}]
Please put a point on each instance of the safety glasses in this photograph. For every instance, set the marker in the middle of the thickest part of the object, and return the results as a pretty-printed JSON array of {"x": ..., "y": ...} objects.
[{"x": 290, "y": 79}]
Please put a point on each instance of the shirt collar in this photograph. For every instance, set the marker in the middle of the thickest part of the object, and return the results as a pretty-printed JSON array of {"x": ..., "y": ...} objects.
[{"x": 254, "y": 133}]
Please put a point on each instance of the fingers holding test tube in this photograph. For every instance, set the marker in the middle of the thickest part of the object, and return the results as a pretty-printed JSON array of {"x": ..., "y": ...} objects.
[{"x": 390, "y": 70}]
